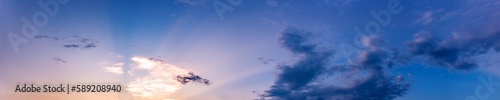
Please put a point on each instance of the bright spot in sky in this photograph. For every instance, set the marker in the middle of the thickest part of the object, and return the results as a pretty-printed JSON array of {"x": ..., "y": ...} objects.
[{"x": 158, "y": 81}]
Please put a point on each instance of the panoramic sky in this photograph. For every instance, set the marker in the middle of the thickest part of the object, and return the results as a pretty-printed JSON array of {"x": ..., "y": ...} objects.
[{"x": 253, "y": 49}]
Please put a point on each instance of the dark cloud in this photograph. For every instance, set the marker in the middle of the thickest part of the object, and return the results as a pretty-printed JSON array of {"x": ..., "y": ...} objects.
[
  {"x": 41, "y": 37},
  {"x": 456, "y": 51},
  {"x": 295, "y": 76},
  {"x": 46, "y": 37},
  {"x": 72, "y": 42},
  {"x": 90, "y": 45},
  {"x": 81, "y": 42},
  {"x": 191, "y": 77},
  {"x": 296, "y": 41},
  {"x": 302, "y": 79},
  {"x": 71, "y": 46},
  {"x": 155, "y": 59}
]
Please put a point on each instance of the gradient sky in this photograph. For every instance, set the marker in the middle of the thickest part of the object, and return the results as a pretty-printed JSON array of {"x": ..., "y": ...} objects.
[{"x": 239, "y": 54}]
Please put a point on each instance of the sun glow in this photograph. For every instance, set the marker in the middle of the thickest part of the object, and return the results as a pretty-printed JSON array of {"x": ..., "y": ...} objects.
[{"x": 159, "y": 80}]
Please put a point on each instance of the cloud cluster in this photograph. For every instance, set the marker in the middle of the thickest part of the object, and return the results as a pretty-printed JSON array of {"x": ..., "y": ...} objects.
[
  {"x": 301, "y": 80},
  {"x": 454, "y": 52},
  {"x": 476, "y": 32},
  {"x": 368, "y": 75}
]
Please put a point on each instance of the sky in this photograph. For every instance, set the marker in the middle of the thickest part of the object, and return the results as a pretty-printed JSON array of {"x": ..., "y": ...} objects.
[{"x": 253, "y": 49}]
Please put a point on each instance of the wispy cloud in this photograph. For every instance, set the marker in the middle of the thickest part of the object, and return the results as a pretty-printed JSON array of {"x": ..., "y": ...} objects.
[
  {"x": 265, "y": 61},
  {"x": 72, "y": 42},
  {"x": 426, "y": 17},
  {"x": 59, "y": 60},
  {"x": 116, "y": 68}
]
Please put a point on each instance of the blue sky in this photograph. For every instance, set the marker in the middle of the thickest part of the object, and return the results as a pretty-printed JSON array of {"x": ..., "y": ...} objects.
[{"x": 256, "y": 46}]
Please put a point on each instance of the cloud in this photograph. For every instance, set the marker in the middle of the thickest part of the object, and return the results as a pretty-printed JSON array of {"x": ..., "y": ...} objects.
[
  {"x": 72, "y": 42},
  {"x": 191, "y": 77},
  {"x": 59, "y": 60},
  {"x": 303, "y": 79},
  {"x": 475, "y": 32},
  {"x": 80, "y": 42},
  {"x": 298, "y": 75},
  {"x": 426, "y": 18},
  {"x": 45, "y": 37},
  {"x": 158, "y": 81},
  {"x": 115, "y": 68},
  {"x": 311, "y": 76},
  {"x": 265, "y": 61},
  {"x": 71, "y": 46},
  {"x": 456, "y": 51},
  {"x": 155, "y": 60}
]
